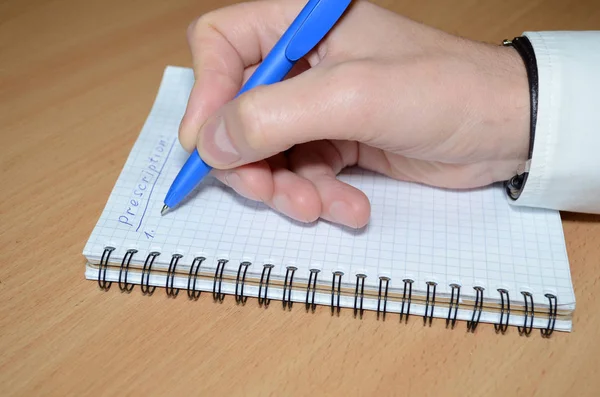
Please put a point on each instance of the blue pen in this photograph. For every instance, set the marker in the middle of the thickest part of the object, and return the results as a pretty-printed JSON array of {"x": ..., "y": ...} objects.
[{"x": 310, "y": 26}]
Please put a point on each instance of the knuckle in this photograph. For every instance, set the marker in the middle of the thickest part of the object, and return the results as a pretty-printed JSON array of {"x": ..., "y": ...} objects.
[
  {"x": 252, "y": 120},
  {"x": 196, "y": 142},
  {"x": 199, "y": 25},
  {"x": 191, "y": 29},
  {"x": 186, "y": 137},
  {"x": 183, "y": 137}
]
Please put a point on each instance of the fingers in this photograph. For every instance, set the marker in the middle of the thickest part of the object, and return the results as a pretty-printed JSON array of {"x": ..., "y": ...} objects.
[
  {"x": 308, "y": 189},
  {"x": 223, "y": 44},
  {"x": 320, "y": 162},
  {"x": 253, "y": 181},
  {"x": 295, "y": 196},
  {"x": 275, "y": 185}
]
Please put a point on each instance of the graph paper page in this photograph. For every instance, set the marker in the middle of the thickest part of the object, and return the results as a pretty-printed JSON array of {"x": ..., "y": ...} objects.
[{"x": 474, "y": 238}]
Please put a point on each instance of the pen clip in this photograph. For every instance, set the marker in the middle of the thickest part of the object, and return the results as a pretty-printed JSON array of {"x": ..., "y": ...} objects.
[{"x": 321, "y": 19}]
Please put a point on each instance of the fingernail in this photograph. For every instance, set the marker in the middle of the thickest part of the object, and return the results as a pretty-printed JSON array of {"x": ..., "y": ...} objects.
[
  {"x": 217, "y": 142},
  {"x": 341, "y": 212},
  {"x": 233, "y": 180}
]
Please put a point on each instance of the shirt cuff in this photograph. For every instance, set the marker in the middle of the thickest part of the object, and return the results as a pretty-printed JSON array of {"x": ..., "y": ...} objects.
[{"x": 564, "y": 172}]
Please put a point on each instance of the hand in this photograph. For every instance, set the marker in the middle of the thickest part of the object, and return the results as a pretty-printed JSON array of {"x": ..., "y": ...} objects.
[{"x": 381, "y": 92}]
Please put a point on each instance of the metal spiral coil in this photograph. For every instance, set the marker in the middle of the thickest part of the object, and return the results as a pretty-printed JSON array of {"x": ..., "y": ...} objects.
[
  {"x": 218, "y": 280},
  {"x": 336, "y": 276},
  {"x": 171, "y": 291},
  {"x": 264, "y": 300},
  {"x": 311, "y": 290},
  {"x": 192, "y": 293},
  {"x": 406, "y": 298},
  {"x": 454, "y": 303},
  {"x": 359, "y": 290},
  {"x": 477, "y": 308},
  {"x": 529, "y": 308},
  {"x": 124, "y": 286},
  {"x": 552, "y": 312},
  {"x": 239, "y": 297},
  {"x": 428, "y": 302},
  {"x": 502, "y": 325},
  {"x": 146, "y": 271},
  {"x": 103, "y": 267},
  {"x": 382, "y": 279},
  {"x": 287, "y": 287}
]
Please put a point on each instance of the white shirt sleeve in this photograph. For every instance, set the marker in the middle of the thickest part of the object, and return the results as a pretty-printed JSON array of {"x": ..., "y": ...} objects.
[{"x": 565, "y": 166}]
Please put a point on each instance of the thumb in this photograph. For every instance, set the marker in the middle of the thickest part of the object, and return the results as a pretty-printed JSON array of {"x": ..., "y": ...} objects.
[{"x": 318, "y": 104}]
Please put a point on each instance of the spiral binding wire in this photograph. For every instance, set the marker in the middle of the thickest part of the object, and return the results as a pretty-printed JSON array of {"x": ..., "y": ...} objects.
[
  {"x": 124, "y": 286},
  {"x": 192, "y": 293},
  {"x": 145, "y": 286},
  {"x": 382, "y": 279},
  {"x": 502, "y": 325},
  {"x": 454, "y": 303},
  {"x": 552, "y": 311},
  {"x": 529, "y": 308},
  {"x": 287, "y": 302},
  {"x": 477, "y": 308},
  {"x": 360, "y": 280},
  {"x": 218, "y": 280},
  {"x": 103, "y": 267},
  {"x": 240, "y": 298},
  {"x": 429, "y": 313},
  {"x": 336, "y": 276},
  {"x": 171, "y": 291},
  {"x": 264, "y": 300},
  {"x": 382, "y": 297},
  {"x": 311, "y": 289},
  {"x": 406, "y": 298}
]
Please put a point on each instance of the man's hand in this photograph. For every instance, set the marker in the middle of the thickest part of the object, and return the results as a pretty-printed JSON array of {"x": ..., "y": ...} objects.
[{"x": 381, "y": 92}]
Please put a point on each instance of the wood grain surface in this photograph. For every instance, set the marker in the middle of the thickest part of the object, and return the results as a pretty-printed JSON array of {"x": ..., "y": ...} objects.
[{"x": 77, "y": 79}]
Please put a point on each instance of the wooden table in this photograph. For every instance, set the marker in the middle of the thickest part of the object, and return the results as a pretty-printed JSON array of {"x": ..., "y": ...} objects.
[{"x": 77, "y": 79}]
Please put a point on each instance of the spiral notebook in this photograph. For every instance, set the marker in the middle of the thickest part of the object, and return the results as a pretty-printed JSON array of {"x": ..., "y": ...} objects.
[{"x": 461, "y": 256}]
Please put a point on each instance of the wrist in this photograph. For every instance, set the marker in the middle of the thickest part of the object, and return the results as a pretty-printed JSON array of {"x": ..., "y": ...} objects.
[{"x": 509, "y": 113}]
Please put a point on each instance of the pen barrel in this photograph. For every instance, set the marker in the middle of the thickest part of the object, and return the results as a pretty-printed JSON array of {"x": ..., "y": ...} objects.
[
  {"x": 272, "y": 70},
  {"x": 192, "y": 172}
]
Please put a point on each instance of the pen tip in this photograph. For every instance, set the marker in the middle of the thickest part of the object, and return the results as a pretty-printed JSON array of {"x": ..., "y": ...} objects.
[{"x": 164, "y": 210}]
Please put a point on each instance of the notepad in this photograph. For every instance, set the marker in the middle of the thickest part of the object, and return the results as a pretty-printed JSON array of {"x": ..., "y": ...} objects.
[{"x": 422, "y": 247}]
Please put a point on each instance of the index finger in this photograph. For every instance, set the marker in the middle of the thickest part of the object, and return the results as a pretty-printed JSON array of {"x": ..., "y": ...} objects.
[{"x": 223, "y": 44}]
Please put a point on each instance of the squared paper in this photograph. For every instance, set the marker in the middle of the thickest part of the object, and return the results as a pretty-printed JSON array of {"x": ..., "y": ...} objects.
[{"x": 474, "y": 238}]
